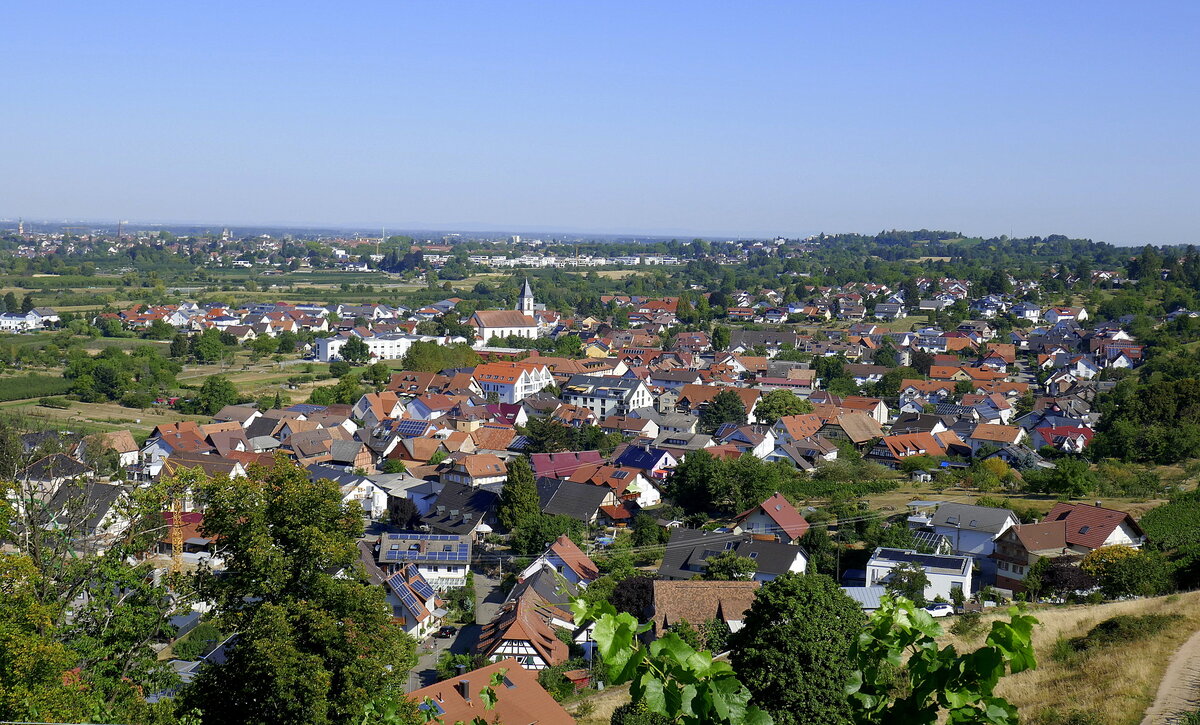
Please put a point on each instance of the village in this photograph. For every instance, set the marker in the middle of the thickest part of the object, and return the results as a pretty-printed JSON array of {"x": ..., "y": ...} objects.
[{"x": 426, "y": 456}]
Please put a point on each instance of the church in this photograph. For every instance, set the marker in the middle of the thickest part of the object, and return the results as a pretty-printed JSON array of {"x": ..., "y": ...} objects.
[{"x": 503, "y": 323}]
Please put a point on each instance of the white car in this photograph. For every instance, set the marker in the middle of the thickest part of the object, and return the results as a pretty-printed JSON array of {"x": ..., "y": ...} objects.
[{"x": 940, "y": 610}]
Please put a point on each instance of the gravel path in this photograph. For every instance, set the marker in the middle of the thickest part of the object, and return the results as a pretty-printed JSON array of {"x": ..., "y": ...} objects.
[{"x": 1179, "y": 691}]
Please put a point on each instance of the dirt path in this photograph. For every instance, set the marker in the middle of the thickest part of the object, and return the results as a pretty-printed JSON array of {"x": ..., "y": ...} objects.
[{"x": 1179, "y": 691}]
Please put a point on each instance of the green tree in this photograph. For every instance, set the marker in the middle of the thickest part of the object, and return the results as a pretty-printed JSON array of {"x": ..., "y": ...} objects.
[
  {"x": 779, "y": 404},
  {"x": 519, "y": 496},
  {"x": 311, "y": 646},
  {"x": 26, "y": 304},
  {"x": 728, "y": 566},
  {"x": 667, "y": 677},
  {"x": 908, "y": 580},
  {"x": 216, "y": 393},
  {"x": 725, "y": 407},
  {"x": 378, "y": 373},
  {"x": 720, "y": 337},
  {"x": 179, "y": 346},
  {"x": 793, "y": 649},
  {"x": 940, "y": 685},
  {"x": 207, "y": 347},
  {"x": 355, "y": 351},
  {"x": 537, "y": 532}
]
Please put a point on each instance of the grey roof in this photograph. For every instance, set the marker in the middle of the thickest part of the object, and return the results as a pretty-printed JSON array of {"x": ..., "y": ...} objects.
[
  {"x": 577, "y": 500},
  {"x": 686, "y": 441},
  {"x": 345, "y": 451},
  {"x": 867, "y": 597},
  {"x": 471, "y": 504},
  {"x": 972, "y": 518},
  {"x": 83, "y": 506},
  {"x": 317, "y": 471},
  {"x": 688, "y": 549},
  {"x": 53, "y": 467}
]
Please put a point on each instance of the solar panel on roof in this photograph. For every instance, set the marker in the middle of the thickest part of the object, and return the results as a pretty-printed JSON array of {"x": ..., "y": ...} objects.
[{"x": 422, "y": 588}]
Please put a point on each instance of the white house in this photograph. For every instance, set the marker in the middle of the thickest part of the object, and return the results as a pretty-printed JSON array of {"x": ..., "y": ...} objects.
[
  {"x": 414, "y": 603},
  {"x": 503, "y": 323},
  {"x": 606, "y": 396},
  {"x": 565, "y": 558},
  {"x": 973, "y": 530},
  {"x": 442, "y": 559},
  {"x": 945, "y": 573},
  {"x": 381, "y": 347},
  {"x": 512, "y": 382}
]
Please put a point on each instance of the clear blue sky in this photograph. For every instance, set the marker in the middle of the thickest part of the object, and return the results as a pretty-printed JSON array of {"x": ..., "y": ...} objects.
[{"x": 693, "y": 117}]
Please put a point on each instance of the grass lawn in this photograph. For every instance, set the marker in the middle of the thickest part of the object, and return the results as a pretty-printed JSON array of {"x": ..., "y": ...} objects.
[{"x": 1116, "y": 685}]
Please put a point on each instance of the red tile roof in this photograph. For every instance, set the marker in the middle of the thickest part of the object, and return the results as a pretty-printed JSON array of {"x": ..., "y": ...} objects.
[
  {"x": 1090, "y": 526},
  {"x": 783, "y": 513}
]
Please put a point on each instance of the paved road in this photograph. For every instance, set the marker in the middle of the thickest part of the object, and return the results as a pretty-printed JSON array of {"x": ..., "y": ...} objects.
[{"x": 487, "y": 603}]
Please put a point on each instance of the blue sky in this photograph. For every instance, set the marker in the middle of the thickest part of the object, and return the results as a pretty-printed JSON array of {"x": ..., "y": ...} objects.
[{"x": 692, "y": 118}]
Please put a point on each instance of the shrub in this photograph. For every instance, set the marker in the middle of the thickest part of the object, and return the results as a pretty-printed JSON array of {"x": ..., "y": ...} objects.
[
  {"x": 968, "y": 625},
  {"x": 199, "y": 642},
  {"x": 1122, "y": 629}
]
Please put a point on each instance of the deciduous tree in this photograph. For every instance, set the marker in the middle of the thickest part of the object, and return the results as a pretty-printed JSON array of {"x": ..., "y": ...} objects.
[{"x": 793, "y": 649}]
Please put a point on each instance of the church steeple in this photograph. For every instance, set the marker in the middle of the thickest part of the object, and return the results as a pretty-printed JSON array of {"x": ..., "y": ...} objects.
[{"x": 525, "y": 303}]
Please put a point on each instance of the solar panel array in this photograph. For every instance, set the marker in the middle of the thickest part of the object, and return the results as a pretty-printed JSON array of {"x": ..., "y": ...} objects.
[
  {"x": 422, "y": 588},
  {"x": 459, "y": 551},
  {"x": 411, "y": 428},
  {"x": 409, "y": 600}
]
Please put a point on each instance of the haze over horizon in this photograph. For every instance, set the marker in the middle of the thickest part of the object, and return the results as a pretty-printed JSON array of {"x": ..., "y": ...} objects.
[{"x": 699, "y": 118}]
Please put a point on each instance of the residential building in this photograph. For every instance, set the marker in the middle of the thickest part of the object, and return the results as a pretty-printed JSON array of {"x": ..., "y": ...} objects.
[
  {"x": 688, "y": 550},
  {"x": 520, "y": 700},
  {"x": 442, "y": 559},
  {"x": 945, "y": 573}
]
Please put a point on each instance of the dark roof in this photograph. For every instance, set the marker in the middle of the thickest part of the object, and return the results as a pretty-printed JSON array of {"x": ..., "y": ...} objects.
[
  {"x": 52, "y": 467},
  {"x": 472, "y": 505},
  {"x": 639, "y": 457},
  {"x": 76, "y": 503},
  {"x": 578, "y": 500},
  {"x": 688, "y": 549}
]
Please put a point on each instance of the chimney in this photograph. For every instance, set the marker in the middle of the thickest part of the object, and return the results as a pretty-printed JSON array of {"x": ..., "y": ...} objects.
[
  {"x": 1099, "y": 504},
  {"x": 464, "y": 689}
]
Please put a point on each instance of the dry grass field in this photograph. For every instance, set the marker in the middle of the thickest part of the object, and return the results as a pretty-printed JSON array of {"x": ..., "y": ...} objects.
[{"x": 1114, "y": 685}]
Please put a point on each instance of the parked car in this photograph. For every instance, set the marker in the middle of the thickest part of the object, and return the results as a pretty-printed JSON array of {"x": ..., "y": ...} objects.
[
  {"x": 940, "y": 610},
  {"x": 446, "y": 632}
]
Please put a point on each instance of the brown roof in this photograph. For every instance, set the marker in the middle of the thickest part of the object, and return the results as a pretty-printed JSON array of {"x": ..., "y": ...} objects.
[
  {"x": 783, "y": 513},
  {"x": 524, "y": 701},
  {"x": 860, "y": 427},
  {"x": 997, "y": 433},
  {"x": 573, "y": 557},
  {"x": 120, "y": 441},
  {"x": 1089, "y": 526},
  {"x": 699, "y": 601},
  {"x": 523, "y": 621},
  {"x": 493, "y": 438},
  {"x": 482, "y": 465},
  {"x": 502, "y": 318},
  {"x": 211, "y": 465},
  {"x": 803, "y": 425},
  {"x": 1046, "y": 536}
]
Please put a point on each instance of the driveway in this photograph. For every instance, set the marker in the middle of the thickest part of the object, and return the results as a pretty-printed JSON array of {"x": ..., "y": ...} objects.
[{"x": 487, "y": 603}]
